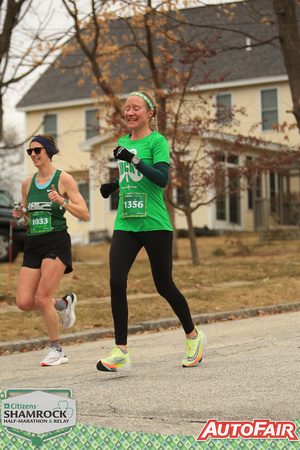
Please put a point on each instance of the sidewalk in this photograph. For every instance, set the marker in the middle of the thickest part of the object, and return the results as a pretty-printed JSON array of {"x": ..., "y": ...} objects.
[
  {"x": 141, "y": 327},
  {"x": 250, "y": 370}
]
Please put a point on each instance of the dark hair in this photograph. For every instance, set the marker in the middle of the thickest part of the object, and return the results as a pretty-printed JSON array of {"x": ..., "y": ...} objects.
[
  {"x": 48, "y": 143},
  {"x": 51, "y": 140}
]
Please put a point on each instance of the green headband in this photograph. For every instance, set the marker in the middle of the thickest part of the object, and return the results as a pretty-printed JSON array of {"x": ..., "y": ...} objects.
[{"x": 145, "y": 98}]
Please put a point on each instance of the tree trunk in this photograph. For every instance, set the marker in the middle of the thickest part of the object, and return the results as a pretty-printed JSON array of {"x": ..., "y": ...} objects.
[
  {"x": 289, "y": 38},
  {"x": 171, "y": 213},
  {"x": 192, "y": 238},
  {"x": 1, "y": 117},
  {"x": 175, "y": 236},
  {"x": 170, "y": 208}
]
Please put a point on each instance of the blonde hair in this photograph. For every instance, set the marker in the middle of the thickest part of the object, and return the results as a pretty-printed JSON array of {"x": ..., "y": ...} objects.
[{"x": 152, "y": 101}]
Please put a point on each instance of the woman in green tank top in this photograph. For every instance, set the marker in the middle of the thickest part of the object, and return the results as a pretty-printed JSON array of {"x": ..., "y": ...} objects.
[
  {"x": 46, "y": 197},
  {"x": 142, "y": 221}
]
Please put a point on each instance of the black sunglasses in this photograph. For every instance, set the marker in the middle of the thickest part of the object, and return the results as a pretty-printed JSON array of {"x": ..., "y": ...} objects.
[{"x": 36, "y": 150}]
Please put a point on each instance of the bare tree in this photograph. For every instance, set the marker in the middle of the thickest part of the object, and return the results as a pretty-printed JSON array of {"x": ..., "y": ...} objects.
[
  {"x": 11, "y": 159},
  {"x": 159, "y": 46},
  {"x": 279, "y": 20},
  {"x": 25, "y": 44},
  {"x": 289, "y": 38}
]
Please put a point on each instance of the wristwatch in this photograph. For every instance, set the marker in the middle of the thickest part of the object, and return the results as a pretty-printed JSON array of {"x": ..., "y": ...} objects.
[
  {"x": 135, "y": 160},
  {"x": 66, "y": 201}
]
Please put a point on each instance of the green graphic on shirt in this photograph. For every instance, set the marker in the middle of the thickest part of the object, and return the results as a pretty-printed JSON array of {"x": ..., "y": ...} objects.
[{"x": 129, "y": 172}]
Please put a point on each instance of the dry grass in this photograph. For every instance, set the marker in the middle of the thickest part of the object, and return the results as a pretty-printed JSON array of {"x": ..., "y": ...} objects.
[{"x": 235, "y": 272}]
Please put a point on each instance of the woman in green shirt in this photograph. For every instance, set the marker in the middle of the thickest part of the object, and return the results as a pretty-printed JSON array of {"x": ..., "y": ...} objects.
[
  {"x": 47, "y": 253},
  {"x": 143, "y": 221}
]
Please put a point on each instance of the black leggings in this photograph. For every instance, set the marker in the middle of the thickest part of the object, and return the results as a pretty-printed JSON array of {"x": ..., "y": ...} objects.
[{"x": 124, "y": 248}]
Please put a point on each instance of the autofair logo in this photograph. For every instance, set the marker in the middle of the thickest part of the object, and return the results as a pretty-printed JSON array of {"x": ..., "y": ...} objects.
[
  {"x": 258, "y": 429},
  {"x": 38, "y": 412}
]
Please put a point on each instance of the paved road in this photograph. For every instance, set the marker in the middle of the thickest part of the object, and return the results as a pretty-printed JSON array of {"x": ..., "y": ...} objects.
[{"x": 250, "y": 369}]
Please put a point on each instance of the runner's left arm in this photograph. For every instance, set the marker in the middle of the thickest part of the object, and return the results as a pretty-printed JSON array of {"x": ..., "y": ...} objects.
[
  {"x": 158, "y": 174},
  {"x": 68, "y": 189}
]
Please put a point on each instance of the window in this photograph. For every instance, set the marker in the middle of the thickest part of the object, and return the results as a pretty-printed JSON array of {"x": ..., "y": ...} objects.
[
  {"x": 223, "y": 108},
  {"x": 91, "y": 123},
  {"x": 180, "y": 196},
  {"x": 84, "y": 189},
  {"x": 221, "y": 198},
  {"x": 274, "y": 191},
  {"x": 254, "y": 186},
  {"x": 228, "y": 192},
  {"x": 269, "y": 109},
  {"x": 258, "y": 186},
  {"x": 234, "y": 196},
  {"x": 114, "y": 197},
  {"x": 249, "y": 187},
  {"x": 50, "y": 125},
  {"x": 183, "y": 178}
]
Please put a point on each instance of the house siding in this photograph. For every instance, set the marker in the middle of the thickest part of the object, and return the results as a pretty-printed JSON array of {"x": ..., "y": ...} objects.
[
  {"x": 248, "y": 72},
  {"x": 71, "y": 159}
]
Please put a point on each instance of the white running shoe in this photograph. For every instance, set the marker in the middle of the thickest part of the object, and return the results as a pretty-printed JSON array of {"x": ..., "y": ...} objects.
[
  {"x": 55, "y": 357},
  {"x": 68, "y": 314}
]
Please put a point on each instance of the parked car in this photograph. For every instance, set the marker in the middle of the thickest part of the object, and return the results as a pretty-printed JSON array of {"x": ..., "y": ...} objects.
[{"x": 19, "y": 231}]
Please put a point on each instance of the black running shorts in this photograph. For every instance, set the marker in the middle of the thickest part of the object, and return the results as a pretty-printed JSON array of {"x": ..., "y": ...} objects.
[{"x": 56, "y": 244}]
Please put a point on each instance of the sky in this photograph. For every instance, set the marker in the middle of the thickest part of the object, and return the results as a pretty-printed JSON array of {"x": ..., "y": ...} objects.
[{"x": 58, "y": 20}]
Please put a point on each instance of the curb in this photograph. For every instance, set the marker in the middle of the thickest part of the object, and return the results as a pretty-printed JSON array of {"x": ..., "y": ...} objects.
[{"x": 151, "y": 325}]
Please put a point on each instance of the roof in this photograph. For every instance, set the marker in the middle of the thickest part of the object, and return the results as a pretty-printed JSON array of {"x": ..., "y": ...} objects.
[{"x": 57, "y": 85}]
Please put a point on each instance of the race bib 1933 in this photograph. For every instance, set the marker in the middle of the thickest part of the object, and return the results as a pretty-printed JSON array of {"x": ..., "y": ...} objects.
[
  {"x": 134, "y": 205},
  {"x": 40, "y": 222}
]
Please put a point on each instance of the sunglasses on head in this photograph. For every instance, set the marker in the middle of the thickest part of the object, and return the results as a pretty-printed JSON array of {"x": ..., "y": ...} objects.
[{"x": 36, "y": 150}]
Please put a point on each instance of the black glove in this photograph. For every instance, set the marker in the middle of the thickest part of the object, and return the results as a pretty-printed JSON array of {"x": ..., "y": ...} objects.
[
  {"x": 123, "y": 154},
  {"x": 107, "y": 189}
]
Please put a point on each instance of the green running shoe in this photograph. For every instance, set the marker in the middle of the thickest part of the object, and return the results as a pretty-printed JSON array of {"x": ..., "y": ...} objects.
[
  {"x": 194, "y": 348},
  {"x": 116, "y": 361}
]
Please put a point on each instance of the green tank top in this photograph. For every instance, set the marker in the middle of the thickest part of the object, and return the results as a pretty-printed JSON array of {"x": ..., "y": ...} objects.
[
  {"x": 44, "y": 216},
  {"x": 141, "y": 205}
]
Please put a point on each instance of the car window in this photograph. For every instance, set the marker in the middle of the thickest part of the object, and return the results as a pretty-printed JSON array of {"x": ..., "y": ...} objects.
[{"x": 6, "y": 200}]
